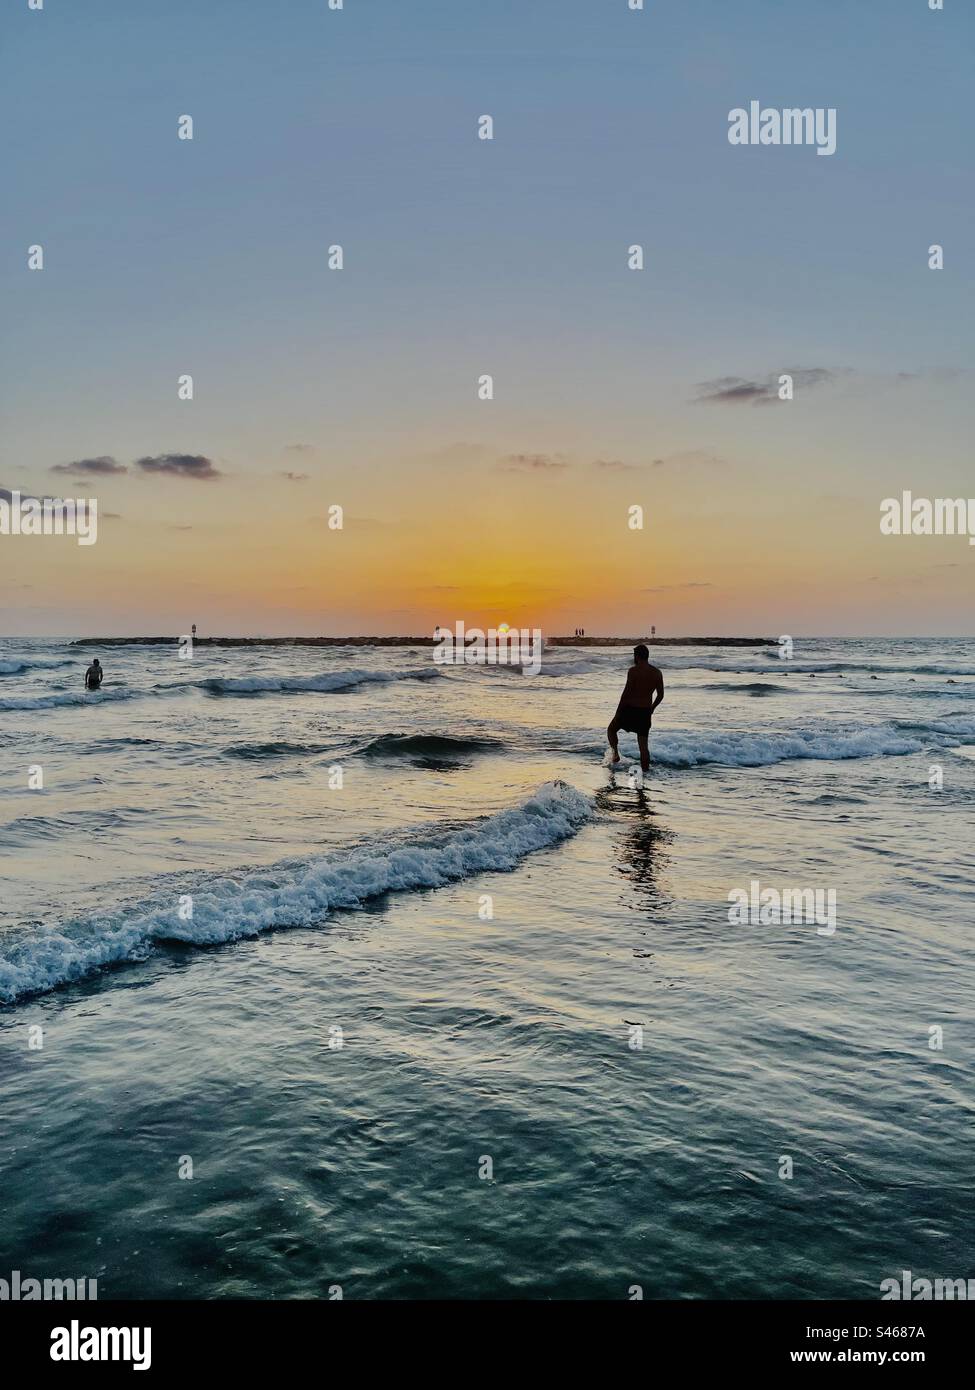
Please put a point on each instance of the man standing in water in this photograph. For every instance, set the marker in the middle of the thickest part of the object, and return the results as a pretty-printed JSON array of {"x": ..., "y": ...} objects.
[
  {"x": 643, "y": 692},
  {"x": 93, "y": 676}
]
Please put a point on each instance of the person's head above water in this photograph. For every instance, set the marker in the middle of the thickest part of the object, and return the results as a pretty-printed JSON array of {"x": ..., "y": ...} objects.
[
  {"x": 641, "y": 653},
  {"x": 96, "y": 662}
]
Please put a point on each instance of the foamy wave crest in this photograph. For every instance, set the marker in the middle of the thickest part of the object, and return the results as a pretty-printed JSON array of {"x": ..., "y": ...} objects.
[
  {"x": 33, "y": 960},
  {"x": 17, "y": 668},
  {"x": 324, "y": 682},
  {"x": 958, "y": 692},
  {"x": 954, "y": 726},
  {"x": 762, "y": 750},
  {"x": 62, "y": 698}
]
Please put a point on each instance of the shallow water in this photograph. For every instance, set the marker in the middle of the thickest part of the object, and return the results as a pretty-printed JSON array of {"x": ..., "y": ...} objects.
[{"x": 468, "y": 1036}]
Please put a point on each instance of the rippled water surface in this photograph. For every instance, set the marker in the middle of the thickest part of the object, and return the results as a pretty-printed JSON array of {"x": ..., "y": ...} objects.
[{"x": 428, "y": 927}]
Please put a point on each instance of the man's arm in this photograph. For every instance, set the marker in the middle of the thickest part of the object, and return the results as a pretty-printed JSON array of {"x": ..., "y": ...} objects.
[{"x": 658, "y": 691}]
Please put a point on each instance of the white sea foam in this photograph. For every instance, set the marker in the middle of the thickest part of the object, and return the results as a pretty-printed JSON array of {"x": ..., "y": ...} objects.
[
  {"x": 62, "y": 698},
  {"x": 743, "y": 749},
  {"x": 226, "y": 909},
  {"x": 18, "y": 667},
  {"x": 955, "y": 726},
  {"x": 323, "y": 682}
]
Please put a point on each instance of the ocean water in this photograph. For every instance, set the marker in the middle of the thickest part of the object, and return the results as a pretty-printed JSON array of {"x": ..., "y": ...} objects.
[{"x": 397, "y": 1036}]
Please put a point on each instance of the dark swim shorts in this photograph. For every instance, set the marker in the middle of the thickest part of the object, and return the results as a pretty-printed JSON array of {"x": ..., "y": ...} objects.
[{"x": 633, "y": 720}]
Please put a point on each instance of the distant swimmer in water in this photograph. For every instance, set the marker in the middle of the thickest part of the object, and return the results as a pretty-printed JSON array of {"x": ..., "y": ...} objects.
[
  {"x": 643, "y": 692},
  {"x": 93, "y": 676}
]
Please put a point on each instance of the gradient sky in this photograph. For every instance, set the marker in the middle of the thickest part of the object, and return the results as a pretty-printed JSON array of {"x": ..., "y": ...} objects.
[{"x": 464, "y": 257}]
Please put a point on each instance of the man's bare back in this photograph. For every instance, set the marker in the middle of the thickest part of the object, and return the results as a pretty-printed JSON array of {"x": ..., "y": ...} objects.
[{"x": 643, "y": 681}]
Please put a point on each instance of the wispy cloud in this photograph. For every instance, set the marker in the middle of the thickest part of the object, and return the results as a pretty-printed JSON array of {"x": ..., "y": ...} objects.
[
  {"x": 533, "y": 463},
  {"x": 299, "y": 448},
  {"x": 294, "y": 477},
  {"x": 460, "y": 451},
  {"x": 737, "y": 390},
  {"x": 690, "y": 458},
  {"x": 195, "y": 466}
]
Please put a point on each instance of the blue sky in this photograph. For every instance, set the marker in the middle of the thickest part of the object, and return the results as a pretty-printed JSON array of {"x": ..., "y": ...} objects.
[{"x": 462, "y": 256}]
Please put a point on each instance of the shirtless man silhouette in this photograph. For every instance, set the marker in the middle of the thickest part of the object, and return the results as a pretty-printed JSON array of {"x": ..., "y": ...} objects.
[{"x": 643, "y": 692}]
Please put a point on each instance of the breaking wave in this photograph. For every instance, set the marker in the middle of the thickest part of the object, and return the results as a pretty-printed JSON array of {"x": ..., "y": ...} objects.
[
  {"x": 764, "y": 749},
  {"x": 324, "y": 682},
  {"x": 954, "y": 726},
  {"x": 63, "y": 698},
  {"x": 225, "y": 909},
  {"x": 17, "y": 668}
]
